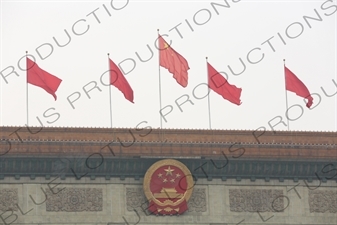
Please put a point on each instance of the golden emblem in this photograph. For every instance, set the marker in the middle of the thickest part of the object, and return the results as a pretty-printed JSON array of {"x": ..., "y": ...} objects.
[{"x": 168, "y": 185}]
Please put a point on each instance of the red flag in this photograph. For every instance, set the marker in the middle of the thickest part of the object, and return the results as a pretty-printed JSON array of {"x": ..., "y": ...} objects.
[
  {"x": 295, "y": 85},
  {"x": 220, "y": 85},
  {"x": 38, "y": 77},
  {"x": 118, "y": 80},
  {"x": 173, "y": 61}
]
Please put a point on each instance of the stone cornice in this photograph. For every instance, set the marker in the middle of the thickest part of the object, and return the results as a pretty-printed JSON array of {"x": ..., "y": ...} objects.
[{"x": 99, "y": 166}]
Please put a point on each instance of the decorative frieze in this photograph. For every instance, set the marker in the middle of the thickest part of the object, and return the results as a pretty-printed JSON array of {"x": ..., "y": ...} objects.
[
  {"x": 323, "y": 201},
  {"x": 135, "y": 198},
  {"x": 258, "y": 200},
  {"x": 197, "y": 202},
  {"x": 74, "y": 200},
  {"x": 8, "y": 199}
]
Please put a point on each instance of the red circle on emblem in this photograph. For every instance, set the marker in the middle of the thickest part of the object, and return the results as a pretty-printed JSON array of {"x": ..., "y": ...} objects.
[{"x": 168, "y": 182}]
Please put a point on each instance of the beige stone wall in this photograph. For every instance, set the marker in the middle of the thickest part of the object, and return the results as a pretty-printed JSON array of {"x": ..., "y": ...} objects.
[{"x": 103, "y": 201}]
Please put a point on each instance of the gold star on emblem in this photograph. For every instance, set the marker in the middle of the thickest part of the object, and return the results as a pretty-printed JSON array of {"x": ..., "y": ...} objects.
[
  {"x": 169, "y": 171},
  {"x": 177, "y": 175},
  {"x": 165, "y": 180},
  {"x": 172, "y": 180},
  {"x": 160, "y": 175}
]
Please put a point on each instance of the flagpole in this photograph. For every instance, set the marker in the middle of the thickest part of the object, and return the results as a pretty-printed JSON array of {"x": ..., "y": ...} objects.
[
  {"x": 110, "y": 92},
  {"x": 285, "y": 80},
  {"x": 27, "y": 87},
  {"x": 160, "y": 104},
  {"x": 209, "y": 102}
]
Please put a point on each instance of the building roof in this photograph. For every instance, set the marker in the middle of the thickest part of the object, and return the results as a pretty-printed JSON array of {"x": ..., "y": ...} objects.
[
  {"x": 130, "y": 142},
  {"x": 124, "y": 152}
]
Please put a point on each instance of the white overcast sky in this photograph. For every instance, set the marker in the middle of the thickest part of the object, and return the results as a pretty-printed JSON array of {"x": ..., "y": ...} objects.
[{"x": 226, "y": 37}]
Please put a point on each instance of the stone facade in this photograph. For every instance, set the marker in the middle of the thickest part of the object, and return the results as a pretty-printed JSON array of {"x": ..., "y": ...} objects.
[{"x": 215, "y": 202}]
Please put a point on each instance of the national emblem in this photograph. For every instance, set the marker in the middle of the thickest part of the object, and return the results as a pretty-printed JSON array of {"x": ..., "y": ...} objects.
[{"x": 168, "y": 185}]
